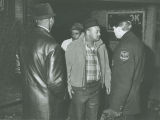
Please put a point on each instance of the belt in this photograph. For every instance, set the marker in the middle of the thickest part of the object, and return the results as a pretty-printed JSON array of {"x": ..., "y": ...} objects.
[{"x": 93, "y": 84}]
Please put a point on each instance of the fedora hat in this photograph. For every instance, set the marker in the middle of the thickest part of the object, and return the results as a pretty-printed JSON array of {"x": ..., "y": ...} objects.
[
  {"x": 43, "y": 11},
  {"x": 90, "y": 23}
]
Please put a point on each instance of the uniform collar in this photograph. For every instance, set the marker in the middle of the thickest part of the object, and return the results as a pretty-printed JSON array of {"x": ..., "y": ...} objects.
[{"x": 126, "y": 35}]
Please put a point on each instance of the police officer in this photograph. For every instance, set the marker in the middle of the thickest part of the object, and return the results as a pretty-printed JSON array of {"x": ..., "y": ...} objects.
[{"x": 127, "y": 74}]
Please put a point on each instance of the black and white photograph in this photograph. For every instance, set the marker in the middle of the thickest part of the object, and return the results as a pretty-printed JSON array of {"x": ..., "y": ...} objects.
[{"x": 79, "y": 59}]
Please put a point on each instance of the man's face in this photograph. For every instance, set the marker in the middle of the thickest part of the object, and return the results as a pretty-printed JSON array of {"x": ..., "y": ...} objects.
[
  {"x": 118, "y": 32},
  {"x": 75, "y": 34},
  {"x": 94, "y": 33}
]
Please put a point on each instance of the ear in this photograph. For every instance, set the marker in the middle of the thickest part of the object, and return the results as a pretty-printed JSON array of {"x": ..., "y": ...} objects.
[
  {"x": 130, "y": 26},
  {"x": 51, "y": 19},
  {"x": 87, "y": 31},
  {"x": 127, "y": 26}
]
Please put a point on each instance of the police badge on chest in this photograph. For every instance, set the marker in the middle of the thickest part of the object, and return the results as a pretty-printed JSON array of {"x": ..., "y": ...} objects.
[{"x": 124, "y": 55}]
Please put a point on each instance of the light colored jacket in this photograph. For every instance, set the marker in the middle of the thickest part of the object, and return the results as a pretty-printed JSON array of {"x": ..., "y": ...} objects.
[
  {"x": 66, "y": 43},
  {"x": 75, "y": 61}
]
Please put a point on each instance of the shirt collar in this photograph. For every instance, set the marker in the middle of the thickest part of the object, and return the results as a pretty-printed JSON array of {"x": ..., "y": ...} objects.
[{"x": 87, "y": 47}]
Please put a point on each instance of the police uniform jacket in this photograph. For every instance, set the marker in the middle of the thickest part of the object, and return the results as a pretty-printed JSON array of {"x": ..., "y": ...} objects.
[
  {"x": 127, "y": 75},
  {"x": 42, "y": 63}
]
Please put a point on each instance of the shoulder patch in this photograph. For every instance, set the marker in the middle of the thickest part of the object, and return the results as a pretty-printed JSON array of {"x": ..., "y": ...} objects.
[{"x": 124, "y": 55}]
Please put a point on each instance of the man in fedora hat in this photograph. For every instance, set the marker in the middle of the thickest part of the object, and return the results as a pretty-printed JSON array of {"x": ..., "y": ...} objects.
[
  {"x": 43, "y": 68},
  {"x": 88, "y": 70}
]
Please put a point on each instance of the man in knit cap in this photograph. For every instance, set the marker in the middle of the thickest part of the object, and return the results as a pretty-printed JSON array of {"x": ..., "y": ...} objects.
[{"x": 76, "y": 30}]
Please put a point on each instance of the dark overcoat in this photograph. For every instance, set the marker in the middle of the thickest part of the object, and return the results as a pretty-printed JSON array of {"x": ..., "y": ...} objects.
[
  {"x": 127, "y": 75},
  {"x": 42, "y": 63}
]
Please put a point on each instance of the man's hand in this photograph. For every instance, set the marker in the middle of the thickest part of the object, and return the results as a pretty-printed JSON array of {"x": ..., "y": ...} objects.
[
  {"x": 108, "y": 90},
  {"x": 110, "y": 114},
  {"x": 108, "y": 87},
  {"x": 70, "y": 91}
]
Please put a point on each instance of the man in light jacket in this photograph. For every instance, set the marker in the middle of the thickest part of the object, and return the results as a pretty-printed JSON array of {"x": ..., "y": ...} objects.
[{"x": 88, "y": 71}]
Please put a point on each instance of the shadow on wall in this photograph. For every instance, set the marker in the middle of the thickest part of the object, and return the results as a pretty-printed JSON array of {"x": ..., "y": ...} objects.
[
  {"x": 10, "y": 83},
  {"x": 10, "y": 41},
  {"x": 105, "y": 39},
  {"x": 149, "y": 78}
]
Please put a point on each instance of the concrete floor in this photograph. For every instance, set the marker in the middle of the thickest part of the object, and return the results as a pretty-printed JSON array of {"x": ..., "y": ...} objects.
[{"x": 10, "y": 94}]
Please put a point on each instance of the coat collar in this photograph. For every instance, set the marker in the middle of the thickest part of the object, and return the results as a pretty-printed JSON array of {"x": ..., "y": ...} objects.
[
  {"x": 42, "y": 29},
  {"x": 126, "y": 35}
]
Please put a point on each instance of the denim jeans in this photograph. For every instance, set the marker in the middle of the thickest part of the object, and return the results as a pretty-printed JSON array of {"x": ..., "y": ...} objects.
[{"x": 85, "y": 102}]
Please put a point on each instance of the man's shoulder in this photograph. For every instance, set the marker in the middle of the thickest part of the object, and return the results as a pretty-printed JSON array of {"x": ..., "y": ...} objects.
[
  {"x": 49, "y": 40},
  {"x": 42, "y": 33},
  {"x": 46, "y": 40},
  {"x": 103, "y": 46},
  {"x": 133, "y": 45},
  {"x": 75, "y": 44},
  {"x": 134, "y": 42},
  {"x": 67, "y": 41},
  {"x": 132, "y": 38}
]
